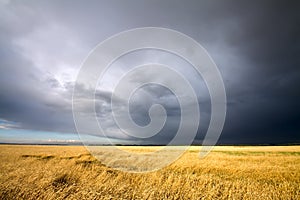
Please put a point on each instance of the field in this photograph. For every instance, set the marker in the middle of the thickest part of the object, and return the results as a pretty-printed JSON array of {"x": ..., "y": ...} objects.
[{"x": 59, "y": 172}]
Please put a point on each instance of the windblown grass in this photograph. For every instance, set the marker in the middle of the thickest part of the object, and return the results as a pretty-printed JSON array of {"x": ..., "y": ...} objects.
[{"x": 59, "y": 172}]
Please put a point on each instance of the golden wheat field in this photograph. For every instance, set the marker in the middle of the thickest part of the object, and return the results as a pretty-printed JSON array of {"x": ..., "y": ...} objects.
[{"x": 70, "y": 172}]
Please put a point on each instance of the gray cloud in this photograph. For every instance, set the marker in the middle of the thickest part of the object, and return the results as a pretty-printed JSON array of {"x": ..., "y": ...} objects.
[{"x": 254, "y": 43}]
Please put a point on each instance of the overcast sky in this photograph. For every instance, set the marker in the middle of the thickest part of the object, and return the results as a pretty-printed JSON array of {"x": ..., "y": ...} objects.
[{"x": 255, "y": 45}]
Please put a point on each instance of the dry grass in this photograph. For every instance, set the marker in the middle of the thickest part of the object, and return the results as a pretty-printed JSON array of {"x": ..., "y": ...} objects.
[{"x": 59, "y": 172}]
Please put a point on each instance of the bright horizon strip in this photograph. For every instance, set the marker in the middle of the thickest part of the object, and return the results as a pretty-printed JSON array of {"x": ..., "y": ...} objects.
[{"x": 45, "y": 137}]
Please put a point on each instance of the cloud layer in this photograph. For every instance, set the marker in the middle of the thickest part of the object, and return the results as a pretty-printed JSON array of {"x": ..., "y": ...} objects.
[{"x": 255, "y": 44}]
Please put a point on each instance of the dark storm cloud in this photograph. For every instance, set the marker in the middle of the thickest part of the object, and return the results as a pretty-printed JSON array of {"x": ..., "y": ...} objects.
[
  {"x": 255, "y": 44},
  {"x": 265, "y": 105}
]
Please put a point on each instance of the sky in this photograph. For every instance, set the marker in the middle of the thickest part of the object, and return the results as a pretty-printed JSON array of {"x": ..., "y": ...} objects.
[{"x": 255, "y": 45}]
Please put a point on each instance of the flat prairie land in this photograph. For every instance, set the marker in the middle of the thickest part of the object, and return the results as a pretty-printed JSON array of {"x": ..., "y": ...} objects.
[{"x": 228, "y": 172}]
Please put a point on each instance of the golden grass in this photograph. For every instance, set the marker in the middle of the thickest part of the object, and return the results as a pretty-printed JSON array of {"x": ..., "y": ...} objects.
[{"x": 59, "y": 172}]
